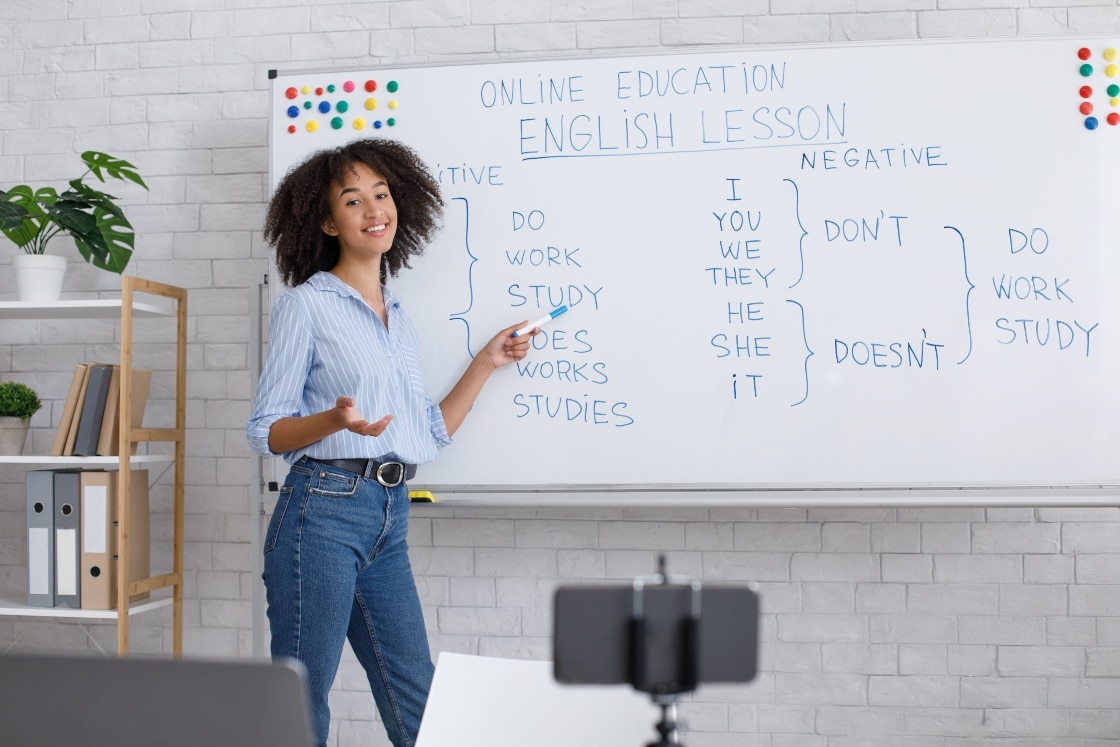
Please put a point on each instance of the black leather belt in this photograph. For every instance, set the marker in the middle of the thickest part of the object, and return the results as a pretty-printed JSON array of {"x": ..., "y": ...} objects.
[{"x": 389, "y": 474}]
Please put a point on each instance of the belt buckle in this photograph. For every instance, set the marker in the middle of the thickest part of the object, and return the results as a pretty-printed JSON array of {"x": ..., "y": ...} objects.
[{"x": 387, "y": 482}]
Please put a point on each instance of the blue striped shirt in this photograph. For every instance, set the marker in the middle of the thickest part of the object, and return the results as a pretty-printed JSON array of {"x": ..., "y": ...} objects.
[{"x": 325, "y": 343}]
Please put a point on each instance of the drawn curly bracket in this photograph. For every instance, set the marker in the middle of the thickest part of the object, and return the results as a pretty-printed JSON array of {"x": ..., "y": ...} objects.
[
  {"x": 804, "y": 233},
  {"x": 461, "y": 315},
  {"x": 968, "y": 293},
  {"x": 804, "y": 339}
]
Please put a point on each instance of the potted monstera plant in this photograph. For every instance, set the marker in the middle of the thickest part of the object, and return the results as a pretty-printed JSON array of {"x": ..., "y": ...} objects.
[
  {"x": 18, "y": 402},
  {"x": 30, "y": 218}
]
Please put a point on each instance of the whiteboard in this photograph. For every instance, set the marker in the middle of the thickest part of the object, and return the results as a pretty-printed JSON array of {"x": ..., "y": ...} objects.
[{"x": 813, "y": 267}]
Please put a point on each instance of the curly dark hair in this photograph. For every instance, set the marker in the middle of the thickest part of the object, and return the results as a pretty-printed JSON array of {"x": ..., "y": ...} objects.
[{"x": 301, "y": 204}]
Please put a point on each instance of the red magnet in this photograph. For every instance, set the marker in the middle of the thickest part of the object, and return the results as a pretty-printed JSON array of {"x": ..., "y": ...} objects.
[
  {"x": 1086, "y": 108},
  {"x": 371, "y": 86},
  {"x": 291, "y": 93},
  {"x": 1086, "y": 91},
  {"x": 1084, "y": 53}
]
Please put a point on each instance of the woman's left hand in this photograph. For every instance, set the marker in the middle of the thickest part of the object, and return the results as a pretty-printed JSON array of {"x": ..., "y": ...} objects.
[{"x": 503, "y": 348}]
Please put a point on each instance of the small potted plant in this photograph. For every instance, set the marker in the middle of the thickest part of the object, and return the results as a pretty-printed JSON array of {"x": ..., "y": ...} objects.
[
  {"x": 18, "y": 402},
  {"x": 32, "y": 217}
]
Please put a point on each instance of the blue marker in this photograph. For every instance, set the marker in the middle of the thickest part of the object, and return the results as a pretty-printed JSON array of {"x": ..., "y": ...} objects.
[{"x": 541, "y": 322}]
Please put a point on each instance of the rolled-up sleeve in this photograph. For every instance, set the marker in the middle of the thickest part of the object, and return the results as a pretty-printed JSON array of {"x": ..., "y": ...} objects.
[
  {"x": 439, "y": 427},
  {"x": 280, "y": 391}
]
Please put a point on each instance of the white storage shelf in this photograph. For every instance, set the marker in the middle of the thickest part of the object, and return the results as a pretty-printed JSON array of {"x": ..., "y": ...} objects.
[
  {"x": 97, "y": 461},
  {"x": 93, "y": 309},
  {"x": 166, "y": 301},
  {"x": 12, "y": 606}
]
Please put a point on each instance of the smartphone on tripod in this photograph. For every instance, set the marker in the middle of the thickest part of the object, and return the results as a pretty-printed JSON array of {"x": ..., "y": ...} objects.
[{"x": 662, "y": 638}]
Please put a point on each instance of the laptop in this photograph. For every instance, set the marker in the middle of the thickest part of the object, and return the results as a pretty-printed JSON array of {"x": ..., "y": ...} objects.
[{"x": 87, "y": 701}]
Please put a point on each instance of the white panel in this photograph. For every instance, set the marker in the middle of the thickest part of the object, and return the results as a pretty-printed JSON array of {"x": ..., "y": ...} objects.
[
  {"x": 66, "y": 561},
  {"x": 38, "y": 560},
  {"x": 95, "y": 508}
]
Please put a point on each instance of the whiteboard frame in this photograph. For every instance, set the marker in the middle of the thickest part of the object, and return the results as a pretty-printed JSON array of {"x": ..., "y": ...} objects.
[
  {"x": 1101, "y": 493},
  {"x": 1054, "y": 496}
]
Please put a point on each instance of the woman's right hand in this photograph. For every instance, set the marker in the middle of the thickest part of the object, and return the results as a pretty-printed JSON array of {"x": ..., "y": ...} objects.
[{"x": 353, "y": 421}]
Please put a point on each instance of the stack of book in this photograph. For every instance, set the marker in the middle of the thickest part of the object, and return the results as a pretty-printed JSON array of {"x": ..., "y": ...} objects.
[{"x": 90, "y": 418}]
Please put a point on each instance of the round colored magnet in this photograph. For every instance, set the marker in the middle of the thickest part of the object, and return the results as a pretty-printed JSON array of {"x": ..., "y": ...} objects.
[
  {"x": 391, "y": 121},
  {"x": 342, "y": 106},
  {"x": 319, "y": 91},
  {"x": 1112, "y": 70},
  {"x": 371, "y": 104},
  {"x": 1086, "y": 107},
  {"x": 371, "y": 86},
  {"x": 393, "y": 104},
  {"x": 291, "y": 92},
  {"x": 1086, "y": 92},
  {"x": 348, "y": 86},
  {"x": 1091, "y": 123},
  {"x": 1084, "y": 53},
  {"x": 312, "y": 126},
  {"x": 306, "y": 104},
  {"x": 293, "y": 111},
  {"x": 330, "y": 88},
  {"x": 324, "y": 106},
  {"x": 1112, "y": 90},
  {"x": 1110, "y": 54},
  {"x": 392, "y": 86},
  {"x": 336, "y": 123},
  {"x": 1086, "y": 70},
  {"x": 1113, "y": 118},
  {"x": 359, "y": 123},
  {"x": 305, "y": 90},
  {"x": 291, "y": 128},
  {"x": 377, "y": 124}
]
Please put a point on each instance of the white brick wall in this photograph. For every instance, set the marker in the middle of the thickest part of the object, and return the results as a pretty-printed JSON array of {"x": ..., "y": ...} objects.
[{"x": 886, "y": 627}]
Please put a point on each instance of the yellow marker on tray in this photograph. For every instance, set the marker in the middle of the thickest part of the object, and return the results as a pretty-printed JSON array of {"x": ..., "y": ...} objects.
[{"x": 421, "y": 496}]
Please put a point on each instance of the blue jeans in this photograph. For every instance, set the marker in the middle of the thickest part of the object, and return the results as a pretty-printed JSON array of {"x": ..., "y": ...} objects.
[{"x": 336, "y": 568}]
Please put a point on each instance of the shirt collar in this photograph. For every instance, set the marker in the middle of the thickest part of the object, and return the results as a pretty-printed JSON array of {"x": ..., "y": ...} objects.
[{"x": 329, "y": 282}]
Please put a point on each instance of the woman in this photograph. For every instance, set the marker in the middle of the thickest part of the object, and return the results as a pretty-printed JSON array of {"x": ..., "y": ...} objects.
[{"x": 342, "y": 399}]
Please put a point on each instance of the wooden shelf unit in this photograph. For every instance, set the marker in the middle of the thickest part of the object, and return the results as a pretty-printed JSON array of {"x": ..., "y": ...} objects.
[{"x": 172, "y": 303}]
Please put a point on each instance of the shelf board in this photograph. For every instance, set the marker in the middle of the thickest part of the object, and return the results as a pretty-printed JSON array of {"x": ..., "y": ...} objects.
[
  {"x": 81, "y": 461},
  {"x": 12, "y": 606},
  {"x": 109, "y": 308}
]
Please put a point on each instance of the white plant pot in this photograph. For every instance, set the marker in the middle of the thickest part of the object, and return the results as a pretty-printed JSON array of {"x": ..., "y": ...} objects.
[
  {"x": 13, "y": 432},
  {"x": 38, "y": 277}
]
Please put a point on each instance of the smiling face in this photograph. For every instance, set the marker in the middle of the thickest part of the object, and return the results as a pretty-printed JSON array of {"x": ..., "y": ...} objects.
[{"x": 363, "y": 214}]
